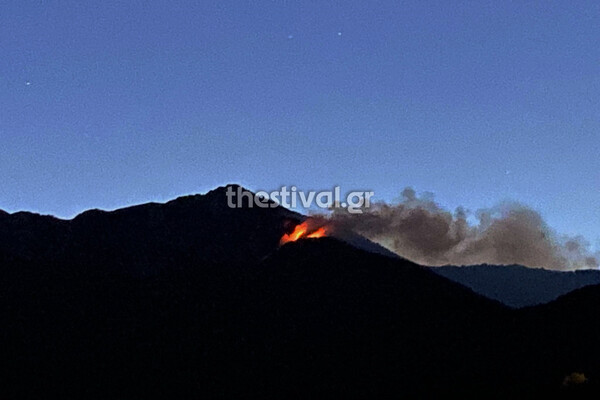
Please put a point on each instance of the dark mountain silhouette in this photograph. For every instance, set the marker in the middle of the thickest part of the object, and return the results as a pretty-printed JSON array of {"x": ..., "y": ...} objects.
[
  {"x": 519, "y": 286},
  {"x": 564, "y": 333},
  {"x": 193, "y": 299},
  {"x": 144, "y": 238}
]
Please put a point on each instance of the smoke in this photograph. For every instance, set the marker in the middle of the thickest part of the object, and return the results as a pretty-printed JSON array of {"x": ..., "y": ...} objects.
[{"x": 419, "y": 229}]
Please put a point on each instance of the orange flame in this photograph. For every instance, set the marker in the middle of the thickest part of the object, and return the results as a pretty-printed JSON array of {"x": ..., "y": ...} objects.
[
  {"x": 318, "y": 233},
  {"x": 303, "y": 231}
]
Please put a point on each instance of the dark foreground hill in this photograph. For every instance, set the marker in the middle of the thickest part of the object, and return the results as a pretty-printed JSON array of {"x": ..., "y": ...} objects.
[
  {"x": 193, "y": 299},
  {"x": 519, "y": 286}
]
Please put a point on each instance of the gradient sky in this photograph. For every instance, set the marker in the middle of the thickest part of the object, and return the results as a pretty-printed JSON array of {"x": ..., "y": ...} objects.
[{"x": 110, "y": 103}]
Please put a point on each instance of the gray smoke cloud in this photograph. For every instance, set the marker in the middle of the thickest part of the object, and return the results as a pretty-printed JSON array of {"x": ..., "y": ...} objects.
[{"x": 419, "y": 229}]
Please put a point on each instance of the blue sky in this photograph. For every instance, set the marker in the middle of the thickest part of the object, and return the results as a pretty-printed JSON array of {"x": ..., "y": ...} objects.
[{"x": 105, "y": 104}]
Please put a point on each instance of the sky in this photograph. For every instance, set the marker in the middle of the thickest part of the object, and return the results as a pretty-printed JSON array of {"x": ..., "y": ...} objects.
[{"x": 112, "y": 103}]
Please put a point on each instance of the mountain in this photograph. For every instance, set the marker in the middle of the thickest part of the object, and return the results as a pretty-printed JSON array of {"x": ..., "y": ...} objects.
[
  {"x": 564, "y": 333},
  {"x": 142, "y": 239},
  {"x": 519, "y": 286},
  {"x": 194, "y": 299}
]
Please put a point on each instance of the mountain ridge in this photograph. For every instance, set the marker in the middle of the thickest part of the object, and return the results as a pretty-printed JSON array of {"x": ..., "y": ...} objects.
[
  {"x": 194, "y": 298},
  {"x": 516, "y": 285}
]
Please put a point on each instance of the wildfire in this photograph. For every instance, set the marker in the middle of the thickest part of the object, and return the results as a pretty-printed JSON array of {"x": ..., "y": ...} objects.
[{"x": 304, "y": 231}]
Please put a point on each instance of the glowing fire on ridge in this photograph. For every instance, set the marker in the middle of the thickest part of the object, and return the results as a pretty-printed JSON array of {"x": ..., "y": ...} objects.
[{"x": 303, "y": 231}]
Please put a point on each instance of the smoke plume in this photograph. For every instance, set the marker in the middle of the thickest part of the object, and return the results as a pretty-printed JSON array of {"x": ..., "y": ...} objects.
[{"x": 419, "y": 229}]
